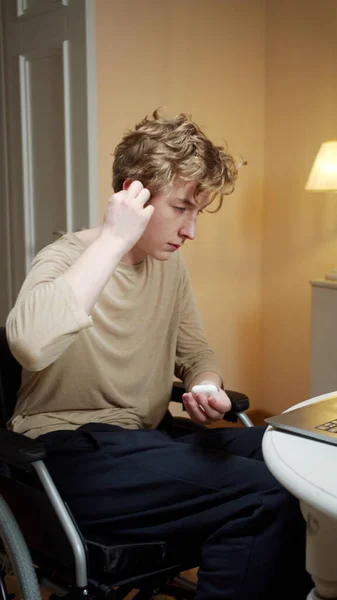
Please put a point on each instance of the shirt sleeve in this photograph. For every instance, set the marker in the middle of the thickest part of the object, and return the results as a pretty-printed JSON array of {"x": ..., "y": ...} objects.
[
  {"x": 193, "y": 354},
  {"x": 46, "y": 317}
]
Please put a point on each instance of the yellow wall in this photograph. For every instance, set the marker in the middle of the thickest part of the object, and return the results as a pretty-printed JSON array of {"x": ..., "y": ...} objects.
[
  {"x": 263, "y": 78},
  {"x": 300, "y": 229},
  {"x": 206, "y": 58}
]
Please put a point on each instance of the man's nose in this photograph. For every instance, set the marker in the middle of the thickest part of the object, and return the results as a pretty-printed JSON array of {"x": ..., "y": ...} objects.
[{"x": 188, "y": 229}]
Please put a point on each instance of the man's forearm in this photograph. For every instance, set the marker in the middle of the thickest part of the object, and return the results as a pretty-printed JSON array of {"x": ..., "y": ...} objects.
[
  {"x": 208, "y": 377},
  {"x": 125, "y": 221},
  {"x": 91, "y": 272}
]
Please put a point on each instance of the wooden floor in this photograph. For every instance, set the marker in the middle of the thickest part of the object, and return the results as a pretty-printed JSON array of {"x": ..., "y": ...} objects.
[{"x": 12, "y": 587}]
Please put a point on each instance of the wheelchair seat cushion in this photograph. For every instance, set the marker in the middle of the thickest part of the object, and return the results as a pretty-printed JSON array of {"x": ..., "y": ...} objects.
[{"x": 117, "y": 560}]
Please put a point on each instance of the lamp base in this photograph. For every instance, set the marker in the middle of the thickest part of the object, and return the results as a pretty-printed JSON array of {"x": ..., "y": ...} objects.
[{"x": 331, "y": 276}]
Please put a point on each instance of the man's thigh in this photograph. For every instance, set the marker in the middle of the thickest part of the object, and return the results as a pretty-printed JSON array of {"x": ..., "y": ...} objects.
[
  {"x": 143, "y": 481},
  {"x": 241, "y": 441}
]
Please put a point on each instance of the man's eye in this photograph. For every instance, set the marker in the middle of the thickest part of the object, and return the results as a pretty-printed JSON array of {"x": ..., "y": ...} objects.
[{"x": 180, "y": 209}]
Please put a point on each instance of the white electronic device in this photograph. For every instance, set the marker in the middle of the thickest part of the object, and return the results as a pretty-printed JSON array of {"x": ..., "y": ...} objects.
[{"x": 208, "y": 389}]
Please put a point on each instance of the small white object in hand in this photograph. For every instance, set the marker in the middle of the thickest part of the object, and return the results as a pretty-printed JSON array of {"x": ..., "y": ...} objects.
[{"x": 208, "y": 389}]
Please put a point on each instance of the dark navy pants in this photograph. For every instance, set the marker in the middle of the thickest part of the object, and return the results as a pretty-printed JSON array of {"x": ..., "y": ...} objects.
[{"x": 208, "y": 490}]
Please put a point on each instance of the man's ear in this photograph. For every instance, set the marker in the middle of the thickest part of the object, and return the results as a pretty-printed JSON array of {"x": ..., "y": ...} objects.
[{"x": 126, "y": 184}]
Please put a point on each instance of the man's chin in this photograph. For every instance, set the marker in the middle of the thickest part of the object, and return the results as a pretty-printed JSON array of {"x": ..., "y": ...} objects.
[{"x": 161, "y": 255}]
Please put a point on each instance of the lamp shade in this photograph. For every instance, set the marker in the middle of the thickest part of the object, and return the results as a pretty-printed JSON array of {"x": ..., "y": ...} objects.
[{"x": 323, "y": 175}]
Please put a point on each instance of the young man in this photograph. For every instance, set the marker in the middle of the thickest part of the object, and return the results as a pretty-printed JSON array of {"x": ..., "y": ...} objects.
[{"x": 101, "y": 324}]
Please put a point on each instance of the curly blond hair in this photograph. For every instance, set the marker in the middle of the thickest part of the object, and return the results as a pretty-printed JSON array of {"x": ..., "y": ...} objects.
[{"x": 160, "y": 149}]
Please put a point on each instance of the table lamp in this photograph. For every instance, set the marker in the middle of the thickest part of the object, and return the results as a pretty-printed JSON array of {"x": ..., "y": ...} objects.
[{"x": 323, "y": 177}]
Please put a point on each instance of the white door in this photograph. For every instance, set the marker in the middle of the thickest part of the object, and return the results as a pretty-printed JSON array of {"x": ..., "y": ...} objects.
[{"x": 48, "y": 165}]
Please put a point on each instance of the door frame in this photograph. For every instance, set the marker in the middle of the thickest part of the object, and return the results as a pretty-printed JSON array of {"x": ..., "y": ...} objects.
[
  {"x": 90, "y": 24},
  {"x": 4, "y": 187},
  {"x": 90, "y": 14}
]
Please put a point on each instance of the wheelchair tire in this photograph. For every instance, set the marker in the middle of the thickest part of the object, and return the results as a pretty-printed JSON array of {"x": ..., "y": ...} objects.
[{"x": 18, "y": 554}]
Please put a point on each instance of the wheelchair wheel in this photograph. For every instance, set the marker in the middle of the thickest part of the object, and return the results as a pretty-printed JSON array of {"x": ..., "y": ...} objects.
[{"x": 17, "y": 559}]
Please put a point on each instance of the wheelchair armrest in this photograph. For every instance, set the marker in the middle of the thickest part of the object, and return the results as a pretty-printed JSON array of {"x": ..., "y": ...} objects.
[
  {"x": 240, "y": 402},
  {"x": 178, "y": 389},
  {"x": 18, "y": 450}
]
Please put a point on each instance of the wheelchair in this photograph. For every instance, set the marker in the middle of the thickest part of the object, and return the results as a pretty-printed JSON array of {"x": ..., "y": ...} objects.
[{"x": 40, "y": 542}]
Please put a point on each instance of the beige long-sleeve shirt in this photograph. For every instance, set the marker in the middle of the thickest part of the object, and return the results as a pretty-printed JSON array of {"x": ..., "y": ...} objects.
[{"x": 116, "y": 365}]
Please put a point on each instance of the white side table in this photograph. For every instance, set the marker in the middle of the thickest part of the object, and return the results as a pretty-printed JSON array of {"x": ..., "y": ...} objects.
[
  {"x": 323, "y": 365},
  {"x": 308, "y": 469}
]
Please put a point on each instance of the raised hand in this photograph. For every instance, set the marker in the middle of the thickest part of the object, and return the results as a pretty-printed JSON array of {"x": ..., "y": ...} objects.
[{"x": 126, "y": 216}]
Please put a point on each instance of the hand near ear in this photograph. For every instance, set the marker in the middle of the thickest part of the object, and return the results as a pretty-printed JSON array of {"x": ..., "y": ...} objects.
[{"x": 126, "y": 216}]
